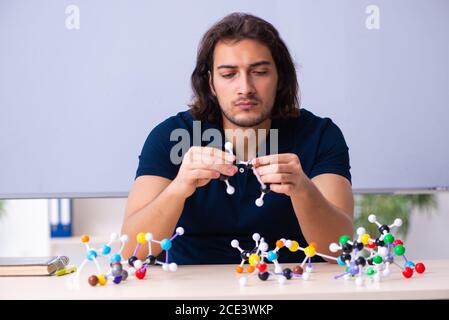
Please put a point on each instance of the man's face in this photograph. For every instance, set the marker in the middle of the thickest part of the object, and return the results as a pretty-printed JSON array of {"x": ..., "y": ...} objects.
[{"x": 244, "y": 80}]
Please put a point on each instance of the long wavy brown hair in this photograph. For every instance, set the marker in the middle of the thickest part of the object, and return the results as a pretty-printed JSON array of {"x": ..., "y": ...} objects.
[{"x": 239, "y": 26}]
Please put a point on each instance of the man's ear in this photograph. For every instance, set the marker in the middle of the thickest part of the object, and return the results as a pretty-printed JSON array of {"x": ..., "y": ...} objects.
[{"x": 211, "y": 85}]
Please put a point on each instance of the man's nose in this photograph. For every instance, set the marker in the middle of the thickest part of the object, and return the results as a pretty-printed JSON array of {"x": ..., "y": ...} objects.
[{"x": 245, "y": 85}]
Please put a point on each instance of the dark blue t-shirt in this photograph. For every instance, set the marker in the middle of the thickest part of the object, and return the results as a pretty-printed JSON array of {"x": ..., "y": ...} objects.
[{"x": 212, "y": 218}]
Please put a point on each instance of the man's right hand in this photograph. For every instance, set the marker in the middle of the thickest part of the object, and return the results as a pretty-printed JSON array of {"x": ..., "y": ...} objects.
[{"x": 199, "y": 166}]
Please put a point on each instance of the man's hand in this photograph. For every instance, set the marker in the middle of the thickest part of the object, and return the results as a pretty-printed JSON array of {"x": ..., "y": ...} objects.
[
  {"x": 282, "y": 171},
  {"x": 199, "y": 166}
]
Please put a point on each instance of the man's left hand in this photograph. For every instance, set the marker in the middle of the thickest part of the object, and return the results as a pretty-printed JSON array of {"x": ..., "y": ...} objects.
[{"x": 282, "y": 171}]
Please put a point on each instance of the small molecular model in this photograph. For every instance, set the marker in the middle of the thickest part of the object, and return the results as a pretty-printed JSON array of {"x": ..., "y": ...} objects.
[
  {"x": 310, "y": 252},
  {"x": 256, "y": 256},
  {"x": 367, "y": 258},
  {"x": 264, "y": 189},
  {"x": 138, "y": 267},
  {"x": 116, "y": 272}
]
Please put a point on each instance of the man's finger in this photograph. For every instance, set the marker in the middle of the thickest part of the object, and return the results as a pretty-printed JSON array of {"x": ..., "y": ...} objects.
[
  {"x": 277, "y": 178},
  {"x": 270, "y": 159},
  {"x": 274, "y": 168}
]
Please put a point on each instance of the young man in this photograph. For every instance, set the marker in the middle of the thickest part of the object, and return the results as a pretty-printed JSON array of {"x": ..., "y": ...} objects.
[{"x": 244, "y": 79}]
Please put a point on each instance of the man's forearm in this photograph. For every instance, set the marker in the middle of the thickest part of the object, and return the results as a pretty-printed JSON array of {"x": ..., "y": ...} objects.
[
  {"x": 320, "y": 221},
  {"x": 159, "y": 217}
]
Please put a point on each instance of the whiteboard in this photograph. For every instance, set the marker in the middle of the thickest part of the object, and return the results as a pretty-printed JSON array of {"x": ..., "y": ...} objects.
[{"x": 77, "y": 104}]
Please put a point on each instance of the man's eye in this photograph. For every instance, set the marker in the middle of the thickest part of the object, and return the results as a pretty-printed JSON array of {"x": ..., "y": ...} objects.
[
  {"x": 228, "y": 75},
  {"x": 261, "y": 73}
]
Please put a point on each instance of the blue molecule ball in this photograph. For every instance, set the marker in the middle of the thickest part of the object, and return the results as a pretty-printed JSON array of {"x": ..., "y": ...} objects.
[
  {"x": 105, "y": 249},
  {"x": 340, "y": 262},
  {"x": 166, "y": 244},
  {"x": 272, "y": 256},
  {"x": 116, "y": 258},
  {"x": 91, "y": 254},
  {"x": 117, "y": 279}
]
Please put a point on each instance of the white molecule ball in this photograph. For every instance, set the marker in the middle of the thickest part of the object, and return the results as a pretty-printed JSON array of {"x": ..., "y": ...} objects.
[
  {"x": 282, "y": 279},
  {"x": 306, "y": 276},
  {"x": 382, "y": 251},
  {"x": 386, "y": 272},
  {"x": 114, "y": 236},
  {"x": 180, "y": 231},
  {"x": 278, "y": 269},
  {"x": 309, "y": 269},
  {"x": 359, "y": 281},
  {"x": 334, "y": 247},
  {"x": 288, "y": 243},
  {"x": 165, "y": 266},
  {"x": 372, "y": 218},
  {"x": 230, "y": 190},
  {"x": 173, "y": 267},
  {"x": 243, "y": 281},
  {"x": 131, "y": 271},
  {"x": 234, "y": 243},
  {"x": 259, "y": 202},
  {"x": 361, "y": 231},
  {"x": 228, "y": 146},
  {"x": 256, "y": 237},
  {"x": 376, "y": 277},
  {"x": 124, "y": 238},
  {"x": 138, "y": 264},
  {"x": 263, "y": 247},
  {"x": 149, "y": 237},
  {"x": 398, "y": 222}
]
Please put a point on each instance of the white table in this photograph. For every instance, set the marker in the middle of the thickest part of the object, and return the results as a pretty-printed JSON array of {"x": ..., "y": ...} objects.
[{"x": 210, "y": 282}]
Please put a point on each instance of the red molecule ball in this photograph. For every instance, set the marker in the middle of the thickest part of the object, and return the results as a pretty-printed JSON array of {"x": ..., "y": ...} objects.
[
  {"x": 93, "y": 280},
  {"x": 371, "y": 245},
  {"x": 398, "y": 241},
  {"x": 140, "y": 274},
  {"x": 262, "y": 267},
  {"x": 420, "y": 267},
  {"x": 408, "y": 272}
]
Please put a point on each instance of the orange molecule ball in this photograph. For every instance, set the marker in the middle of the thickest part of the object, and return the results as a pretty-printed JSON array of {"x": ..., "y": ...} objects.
[
  {"x": 85, "y": 238},
  {"x": 239, "y": 269},
  {"x": 312, "y": 244},
  {"x": 249, "y": 269},
  {"x": 279, "y": 243}
]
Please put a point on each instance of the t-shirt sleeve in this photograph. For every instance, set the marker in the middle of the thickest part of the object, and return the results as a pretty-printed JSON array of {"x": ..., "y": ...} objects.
[
  {"x": 154, "y": 158},
  {"x": 333, "y": 154}
]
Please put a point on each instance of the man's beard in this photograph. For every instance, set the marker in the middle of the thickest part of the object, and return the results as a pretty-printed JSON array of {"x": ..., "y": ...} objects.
[{"x": 247, "y": 123}]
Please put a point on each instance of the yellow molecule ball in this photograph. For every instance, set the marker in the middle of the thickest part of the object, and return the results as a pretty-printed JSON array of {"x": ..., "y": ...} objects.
[
  {"x": 254, "y": 259},
  {"x": 141, "y": 238},
  {"x": 102, "y": 280},
  {"x": 365, "y": 239},
  {"x": 294, "y": 246},
  {"x": 309, "y": 251},
  {"x": 85, "y": 238}
]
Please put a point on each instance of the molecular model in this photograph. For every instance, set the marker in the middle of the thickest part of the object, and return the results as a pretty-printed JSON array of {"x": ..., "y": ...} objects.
[
  {"x": 256, "y": 256},
  {"x": 138, "y": 267},
  {"x": 264, "y": 189},
  {"x": 116, "y": 271},
  {"x": 367, "y": 258},
  {"x": 310, "y": 252}
]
